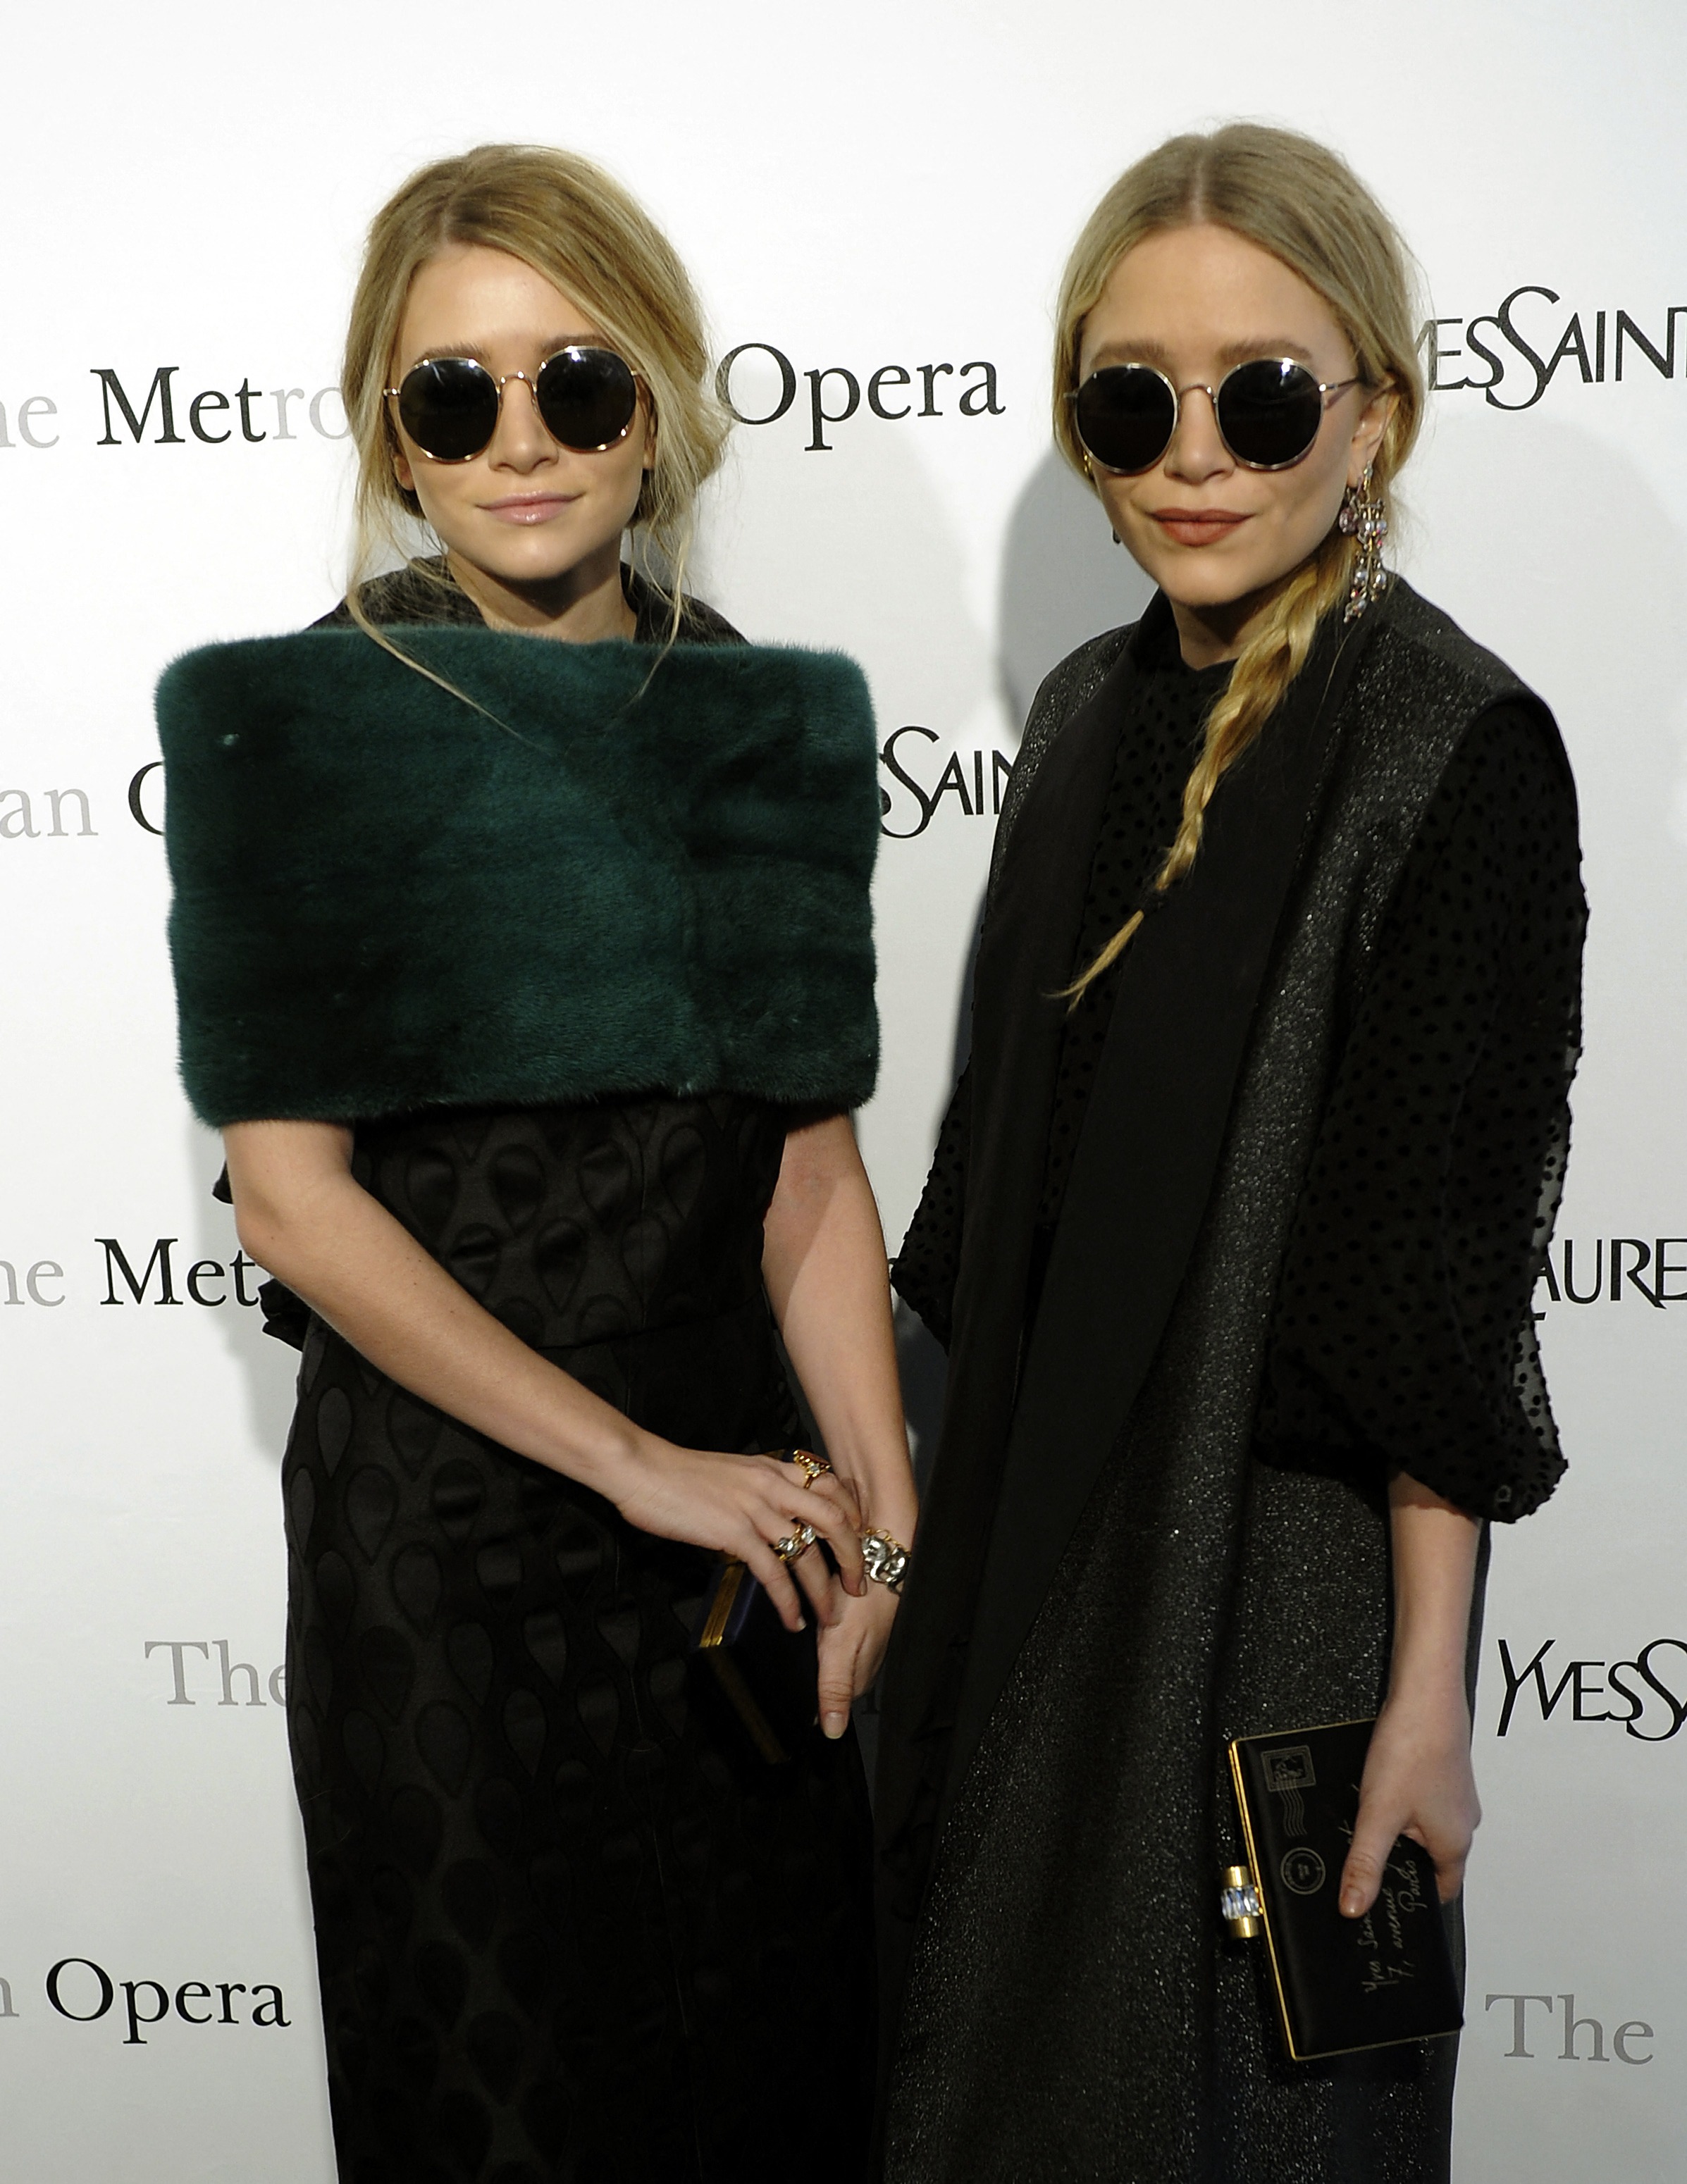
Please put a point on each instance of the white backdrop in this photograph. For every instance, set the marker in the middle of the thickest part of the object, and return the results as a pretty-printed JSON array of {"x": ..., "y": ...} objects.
[{"x": 185, "y": 190}]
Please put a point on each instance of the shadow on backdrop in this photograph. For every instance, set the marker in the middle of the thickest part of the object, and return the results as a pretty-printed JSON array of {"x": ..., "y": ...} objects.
[
  {"x": 268, "y": 1370},
  {"x": 1062, "y": 580}
]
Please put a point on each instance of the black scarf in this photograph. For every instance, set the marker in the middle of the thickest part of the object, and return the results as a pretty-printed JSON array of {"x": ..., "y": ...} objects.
[{"x": 1030, "y": 1421}]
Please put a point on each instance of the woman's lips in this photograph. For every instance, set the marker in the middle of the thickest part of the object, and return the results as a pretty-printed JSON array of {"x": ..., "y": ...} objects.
[
  {"x": 1198, "y": 527},
  {"x": 528, "y": 508}
]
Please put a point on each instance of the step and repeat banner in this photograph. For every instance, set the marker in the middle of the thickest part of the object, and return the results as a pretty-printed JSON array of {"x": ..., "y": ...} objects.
[{"x": 876, "y": 202}]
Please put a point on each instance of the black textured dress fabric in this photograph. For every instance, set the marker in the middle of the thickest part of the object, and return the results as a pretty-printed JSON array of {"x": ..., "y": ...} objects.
[
  {"x": 564, "y": 1924},
  {"x": 1071, "y": 2008},
  {"x": 567, "y": 1922}
]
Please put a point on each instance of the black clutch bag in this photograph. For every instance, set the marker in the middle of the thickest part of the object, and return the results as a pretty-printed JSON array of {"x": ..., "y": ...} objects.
[
  {"x": 1342, "y": 1984},
  {"x": 745, "y": 1663}
]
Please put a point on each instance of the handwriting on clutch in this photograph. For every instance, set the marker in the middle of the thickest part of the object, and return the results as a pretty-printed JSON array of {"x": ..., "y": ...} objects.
[{"x": 1400, "y": 1898}]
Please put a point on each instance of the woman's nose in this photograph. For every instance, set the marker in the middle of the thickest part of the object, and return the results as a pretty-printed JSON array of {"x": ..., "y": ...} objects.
[
  {"x": 520, "y": 440},
  {"x": 1198, "y": 449}
]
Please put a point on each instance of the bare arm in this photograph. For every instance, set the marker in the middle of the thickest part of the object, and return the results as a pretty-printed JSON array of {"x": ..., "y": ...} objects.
[
  {"x": 827, "y": 1278},
  {"x": 1418, "y": 1780},
  {"x": 302, "y": 1215}
]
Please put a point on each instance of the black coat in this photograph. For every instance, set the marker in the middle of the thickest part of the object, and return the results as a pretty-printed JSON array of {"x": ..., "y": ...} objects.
[{"x": 1111, "y": 1579}]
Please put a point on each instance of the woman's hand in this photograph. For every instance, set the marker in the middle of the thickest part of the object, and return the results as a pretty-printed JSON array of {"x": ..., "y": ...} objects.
[
  {"x": 827, "y": 1279},
  {"x": 1417, "y": 1778},
  {"x": 852, "y": 1651},
  {"x": 1417, "y": 1782},
  {"x": 739, "y": 1505}
]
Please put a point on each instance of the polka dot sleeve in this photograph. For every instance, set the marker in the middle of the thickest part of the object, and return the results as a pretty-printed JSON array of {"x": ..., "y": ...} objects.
[{"x": 1405, "y": 1337}]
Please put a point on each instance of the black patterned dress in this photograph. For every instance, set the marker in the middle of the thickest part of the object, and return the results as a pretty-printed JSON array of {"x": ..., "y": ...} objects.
[{"x": 568, "y": 1927}]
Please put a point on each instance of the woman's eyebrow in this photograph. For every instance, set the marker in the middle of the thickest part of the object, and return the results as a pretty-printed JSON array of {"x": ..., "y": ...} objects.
[
  {"x": 1273, "y": 345},
  {"x": 1128, "y": 352},
  {"x": 477, "y": 355},
  {"x": 469, "y": 349},
  {"x": 1237, "y": 352}
]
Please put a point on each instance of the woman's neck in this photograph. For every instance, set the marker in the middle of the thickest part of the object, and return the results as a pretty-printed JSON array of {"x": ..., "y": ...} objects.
[
  {"x": 1207, "y": 636},
  {"x": 584, "y": 604}
]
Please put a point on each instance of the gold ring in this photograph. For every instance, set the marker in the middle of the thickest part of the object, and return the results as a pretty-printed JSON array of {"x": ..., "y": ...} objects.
[
  {"x": 811, "y": 1466},
  {"x": 796, "y": 1543}
]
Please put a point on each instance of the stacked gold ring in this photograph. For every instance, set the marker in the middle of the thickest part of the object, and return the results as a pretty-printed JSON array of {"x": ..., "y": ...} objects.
[{"x": 796, "y": 1543}]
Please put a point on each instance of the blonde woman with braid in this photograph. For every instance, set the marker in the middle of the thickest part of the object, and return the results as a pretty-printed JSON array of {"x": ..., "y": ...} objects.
[
  {"x": 1231, "y": 1231},
  {"x": 523, "y": 951}
]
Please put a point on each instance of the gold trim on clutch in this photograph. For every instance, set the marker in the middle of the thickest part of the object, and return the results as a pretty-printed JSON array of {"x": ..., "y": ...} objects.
[{"x": 721, "y": 1606}]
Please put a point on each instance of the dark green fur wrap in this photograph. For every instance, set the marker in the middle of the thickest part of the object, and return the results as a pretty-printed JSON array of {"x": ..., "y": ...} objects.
[{"x": 638, "y": 882}]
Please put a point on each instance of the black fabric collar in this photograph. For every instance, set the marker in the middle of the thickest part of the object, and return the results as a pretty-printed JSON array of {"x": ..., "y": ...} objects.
[{"x": 425, "y": 591}]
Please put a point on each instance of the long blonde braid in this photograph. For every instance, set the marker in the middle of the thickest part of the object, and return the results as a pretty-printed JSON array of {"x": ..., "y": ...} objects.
[{"x": 1265, "y": 666}]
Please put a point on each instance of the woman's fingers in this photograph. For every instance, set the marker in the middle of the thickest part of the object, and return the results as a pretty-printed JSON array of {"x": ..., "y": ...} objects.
[
  {"x": 825, "y": 1595},
  {"x": 1417, "y": 1782},
  {"x": 1373, "y": 1837},
  {"x": 774, "y": 1577},
  {"x": 743, "y": 1506},
  {"x": 840, "y": 1644},
  {"x": 1450, "y": 1869},
  {"x": 829, "y": 1487},
  {"x": 830, "y": 1508}
]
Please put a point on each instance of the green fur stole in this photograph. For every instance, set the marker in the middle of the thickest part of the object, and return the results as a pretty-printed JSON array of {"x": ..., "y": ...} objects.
[{"x": 645, "y": 872}]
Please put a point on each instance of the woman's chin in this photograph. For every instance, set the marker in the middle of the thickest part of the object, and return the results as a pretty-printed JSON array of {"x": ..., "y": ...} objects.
[{"x": 528, "y": 559}]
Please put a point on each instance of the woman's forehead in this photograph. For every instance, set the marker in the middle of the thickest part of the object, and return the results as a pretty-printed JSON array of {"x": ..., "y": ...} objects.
[
  {"x": 1206, "y": 290},
  {"x": 468, "y": 300}
]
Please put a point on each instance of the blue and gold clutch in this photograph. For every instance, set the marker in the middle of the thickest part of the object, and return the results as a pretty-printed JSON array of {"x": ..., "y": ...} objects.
[{"x": 765, "y": 1674}]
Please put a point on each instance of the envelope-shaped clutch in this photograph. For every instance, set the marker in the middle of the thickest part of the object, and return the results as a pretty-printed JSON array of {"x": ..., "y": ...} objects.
[{"x": 1342, "y": 1984}]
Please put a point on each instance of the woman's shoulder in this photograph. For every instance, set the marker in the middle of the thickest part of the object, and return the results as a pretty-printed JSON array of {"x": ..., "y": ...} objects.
[
  {"x": 1504, "y": 717},
  {"x": 1074, "y": 681},
  {"x": 699, "y": 622},
  {"x": 1416, "y": 626},
  {"x": 1063, "y": 691}
]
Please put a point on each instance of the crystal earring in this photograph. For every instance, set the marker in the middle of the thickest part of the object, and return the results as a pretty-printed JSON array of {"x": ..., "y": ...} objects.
[{"x": 1362, "y": 518}]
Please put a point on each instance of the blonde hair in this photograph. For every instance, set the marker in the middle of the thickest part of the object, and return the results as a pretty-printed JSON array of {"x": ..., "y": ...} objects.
[
  {"x": 577, "y": 227},
  {"x": 1302, "y": 203}
]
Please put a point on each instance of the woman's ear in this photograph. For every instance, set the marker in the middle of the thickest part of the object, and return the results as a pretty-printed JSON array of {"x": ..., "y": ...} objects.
[{"x": 1367, "y": 434}]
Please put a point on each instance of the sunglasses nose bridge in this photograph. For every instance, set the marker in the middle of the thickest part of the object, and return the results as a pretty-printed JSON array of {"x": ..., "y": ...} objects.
[
  {"x": 530, "y": 381},
  {"x": 1184, "y": 420}
]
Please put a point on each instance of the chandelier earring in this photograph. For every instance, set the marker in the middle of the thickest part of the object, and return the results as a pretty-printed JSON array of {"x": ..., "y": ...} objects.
[{"x": 1364, "y": 519}]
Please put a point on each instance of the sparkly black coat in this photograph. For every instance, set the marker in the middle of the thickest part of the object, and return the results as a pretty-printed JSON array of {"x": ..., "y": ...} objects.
[{"x": 1315, "y": 1155}]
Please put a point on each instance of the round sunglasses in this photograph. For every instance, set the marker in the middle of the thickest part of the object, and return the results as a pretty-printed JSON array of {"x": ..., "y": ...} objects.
[
  {"x": 1268, "y": 410},
  {"x": 587, "y": 399}
]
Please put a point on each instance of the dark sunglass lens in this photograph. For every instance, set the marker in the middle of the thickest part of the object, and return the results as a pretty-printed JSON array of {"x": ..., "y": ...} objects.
[
  {"x": 1125, "y": 413},
  {"x": 587, "y": 397},
  {"x": 1269, "y": 412},
  {"x": 449, "y": 407}
]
